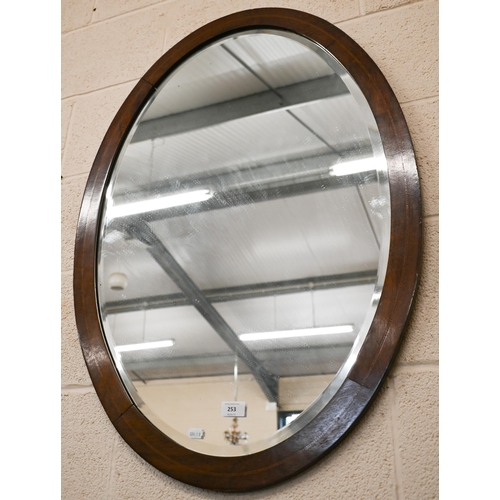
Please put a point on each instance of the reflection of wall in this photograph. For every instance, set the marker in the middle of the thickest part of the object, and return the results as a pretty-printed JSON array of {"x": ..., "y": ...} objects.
[
  {"x": 296, "y": 393},
  {"x": 188, "y": 403},
  {"x": 196, "y": 403},
  {"x": 106, "y": 48}
]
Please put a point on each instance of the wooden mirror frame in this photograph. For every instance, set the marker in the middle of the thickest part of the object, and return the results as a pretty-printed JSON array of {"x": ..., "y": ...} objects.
[{"x": 330, "y": 426}]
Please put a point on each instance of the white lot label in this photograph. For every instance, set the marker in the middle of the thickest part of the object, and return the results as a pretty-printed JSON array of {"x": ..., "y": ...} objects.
[
  {"x": 233, "y": 409},
  {"x": 196, "y": 433}
]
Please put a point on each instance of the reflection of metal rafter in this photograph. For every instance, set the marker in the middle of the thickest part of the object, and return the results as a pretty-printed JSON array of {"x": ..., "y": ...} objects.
[
  {"x": 263, "y": 102},
  {"x": 247, "y": 291},
  {"x": 142, "y": 232},
  {"x": 262, "y": 176},
  {"x": 256, "y": 194},
  {"x": 308, "y": 361}
]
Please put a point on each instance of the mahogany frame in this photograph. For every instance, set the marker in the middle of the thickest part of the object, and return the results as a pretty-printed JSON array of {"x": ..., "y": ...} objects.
[{"x": 331, "y": 425}]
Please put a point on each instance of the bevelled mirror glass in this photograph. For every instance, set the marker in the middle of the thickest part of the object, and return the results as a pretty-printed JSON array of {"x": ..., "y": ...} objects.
[{"x": 243, "y": 215}]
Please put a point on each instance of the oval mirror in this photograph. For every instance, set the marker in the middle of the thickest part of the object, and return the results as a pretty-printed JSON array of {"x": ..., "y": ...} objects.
[{"x": 248, "y": 249}]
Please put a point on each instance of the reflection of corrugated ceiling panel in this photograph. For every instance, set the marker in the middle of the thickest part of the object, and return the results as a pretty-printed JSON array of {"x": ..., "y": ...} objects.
[
  {"x": 255, "y": 140},
  {"x": 252, "y": 141},
  {"x": 219, "y": 76},
  {"x": 278, "y": 60},
  {"x": 196, "y": 339},
  {"x": 215, "y": 77},
  {"x": 296, "y": 237}
]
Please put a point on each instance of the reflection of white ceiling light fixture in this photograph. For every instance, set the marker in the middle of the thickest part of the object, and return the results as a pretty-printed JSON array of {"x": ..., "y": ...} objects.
[
  {"x": 145, "y": 345},
  {"x": 352, "y": 167},
  {"x": 173, "y": 200},
  {"x": 118, "y": 281},
  {"x": 303, "y": 332}
]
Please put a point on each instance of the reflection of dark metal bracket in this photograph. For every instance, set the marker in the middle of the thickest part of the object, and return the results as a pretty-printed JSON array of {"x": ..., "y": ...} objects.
[{"x": 142, "y": 231}]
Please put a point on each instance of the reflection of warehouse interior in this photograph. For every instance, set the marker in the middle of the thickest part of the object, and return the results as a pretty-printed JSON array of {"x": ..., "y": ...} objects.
[
  {"x": 196, "y": 403},
  {"x": 271, "y": 259}
]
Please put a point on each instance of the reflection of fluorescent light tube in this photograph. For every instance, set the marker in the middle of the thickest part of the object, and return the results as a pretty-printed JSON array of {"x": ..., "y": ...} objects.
[
  {"x": 304, "y": 332},
  {"x": 353, "y": 167},
  {"x": 145, "y": 345},
  {"x": 173, "y": 200}
]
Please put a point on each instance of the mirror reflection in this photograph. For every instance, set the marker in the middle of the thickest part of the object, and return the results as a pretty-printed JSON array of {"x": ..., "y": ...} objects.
[{"x": 244, "y": 241}]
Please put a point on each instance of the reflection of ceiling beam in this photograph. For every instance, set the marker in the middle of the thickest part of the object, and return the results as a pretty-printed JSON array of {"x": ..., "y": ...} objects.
[
  {"x": 243, "y": 292},
  {"x": 258, "y": 176},
  {"x": 284, "y": 97},
  {"x": 291, "y": 362},
  {"x": 263, "y": 102},
  {"x": 285, "y": 171},
  {"x": 142, "y": 232},
  {"x": 255, "y": 194}
]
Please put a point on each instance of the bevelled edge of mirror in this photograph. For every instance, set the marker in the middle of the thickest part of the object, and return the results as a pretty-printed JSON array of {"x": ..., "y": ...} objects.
[{"x": 331, "y": 425}]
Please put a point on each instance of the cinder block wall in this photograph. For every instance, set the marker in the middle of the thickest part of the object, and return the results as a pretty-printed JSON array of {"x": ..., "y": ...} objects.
[{"x": 107, "y": 45}]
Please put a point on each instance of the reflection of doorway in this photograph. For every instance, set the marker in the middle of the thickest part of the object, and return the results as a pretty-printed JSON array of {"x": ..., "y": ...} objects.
[{"x": 285, "y": 417}]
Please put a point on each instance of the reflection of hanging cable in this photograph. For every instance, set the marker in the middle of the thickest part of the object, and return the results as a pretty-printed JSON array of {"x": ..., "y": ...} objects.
[
  {"x": 233, "y": 435},
  {"x": 275, "y": 313},
  {"x": 144, "y": 326},
  {"x": 151, "y": 161},
  {"x": 311, "y": 291},
  {"x": 236, "y": 378}
]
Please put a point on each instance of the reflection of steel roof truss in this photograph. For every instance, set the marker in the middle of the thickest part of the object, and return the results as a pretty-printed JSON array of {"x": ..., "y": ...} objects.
[
  {"x": 318, "y": 360},
  {"x": 250, "y": 186},
  {"x": 267, "y": 381},
  {"x": 244, "y": 291},
  {"x": 279, "y": 177},
  {"x": 281, "y": 99}
]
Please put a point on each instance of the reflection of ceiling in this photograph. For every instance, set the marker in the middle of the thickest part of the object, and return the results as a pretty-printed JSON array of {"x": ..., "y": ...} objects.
[
  {"x": 282, "y": 244},
  {"x": 217, "y": 76},
  {"x": 209, "y": 355}
]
